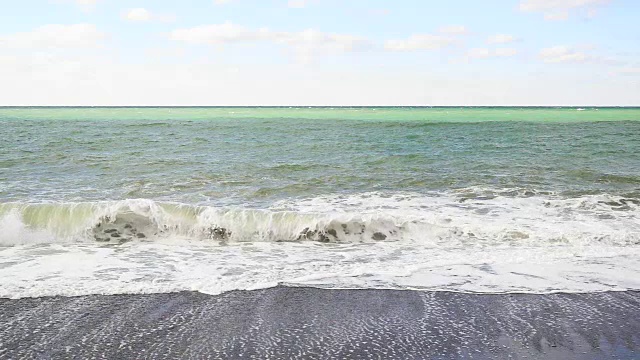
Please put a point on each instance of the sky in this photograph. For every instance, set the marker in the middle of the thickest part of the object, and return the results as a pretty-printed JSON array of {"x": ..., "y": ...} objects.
[{"x": 319, "y": 52}]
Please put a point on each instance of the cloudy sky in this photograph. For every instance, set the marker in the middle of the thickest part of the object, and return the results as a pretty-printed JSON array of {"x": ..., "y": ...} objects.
[{"x": 320, "y": 52}]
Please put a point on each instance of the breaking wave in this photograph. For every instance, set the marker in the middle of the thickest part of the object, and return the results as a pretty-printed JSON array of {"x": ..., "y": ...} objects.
[{"x": 456, "y": 219}]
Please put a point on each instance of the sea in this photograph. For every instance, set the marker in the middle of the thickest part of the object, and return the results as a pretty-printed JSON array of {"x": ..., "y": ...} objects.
[{"x": 122, "y": 200}]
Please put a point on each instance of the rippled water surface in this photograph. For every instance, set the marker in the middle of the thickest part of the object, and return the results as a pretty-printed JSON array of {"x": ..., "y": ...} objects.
[{"x": 214, "y": 199}]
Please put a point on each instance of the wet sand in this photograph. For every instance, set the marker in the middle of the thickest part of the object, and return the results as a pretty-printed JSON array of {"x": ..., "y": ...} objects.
[{"x": 289, "y": 323}]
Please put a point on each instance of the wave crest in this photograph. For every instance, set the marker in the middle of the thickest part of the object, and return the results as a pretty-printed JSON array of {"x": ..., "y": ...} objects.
[
  {"x": 452, "y": 220},
  {"x": 127, "y": 220}
]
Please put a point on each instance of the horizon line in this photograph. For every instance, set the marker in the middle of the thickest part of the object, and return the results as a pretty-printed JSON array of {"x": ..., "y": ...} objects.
[{"x": 318, "y": 106}]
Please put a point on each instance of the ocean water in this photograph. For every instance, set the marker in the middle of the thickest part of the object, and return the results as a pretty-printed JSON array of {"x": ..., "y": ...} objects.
[{"x": 143, "y": 200}]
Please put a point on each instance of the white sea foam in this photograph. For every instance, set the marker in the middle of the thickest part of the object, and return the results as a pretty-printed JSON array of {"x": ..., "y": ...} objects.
[
  {"x": 471, "y": 240},
  {"x": 460, "y": 218}
]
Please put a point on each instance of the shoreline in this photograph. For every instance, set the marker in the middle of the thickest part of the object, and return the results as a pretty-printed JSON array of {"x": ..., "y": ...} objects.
[
  {"x": 303, "y": 322},
  {"x": 314, "y": 287}
]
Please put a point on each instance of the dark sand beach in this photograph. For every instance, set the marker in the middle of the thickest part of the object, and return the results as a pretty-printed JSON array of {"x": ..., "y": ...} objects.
[{"x": 290, "y": 322}]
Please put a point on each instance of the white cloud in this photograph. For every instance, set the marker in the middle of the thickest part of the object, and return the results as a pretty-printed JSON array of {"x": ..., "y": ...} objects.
[
  {"x": 218, "y": 34},
  {"x": 557, "y": 16},
  {"x": 578, "y": 54},
  {"x": 478, "y": 53},
  {"x": 505, "y": 52},
  {"x": 501, "y": 39},
  {"x": 453, "y": 30},
  {"x": 55, "y": 36},
  {"x": 561, "y": 9},
  {"x": 550, "y": 5},
  {"x": 221, "y": 2},
  {"x": 297, "y": 4},
  {"x": 143, "y": 15},
  {"x": 420, "y": 42},
  {"x": 316, "y": 38},
  {"x": 447, "y": 36},
  {"x": 563, "y": 54},
  {"x": 305, "y": 44},
  {"x": 483, "y": 53},
  {"x": 138, "y": 14}
]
